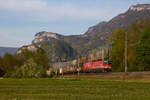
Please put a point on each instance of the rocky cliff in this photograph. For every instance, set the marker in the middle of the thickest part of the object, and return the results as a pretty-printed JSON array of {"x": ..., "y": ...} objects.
[{"x": 97, "y": 35}]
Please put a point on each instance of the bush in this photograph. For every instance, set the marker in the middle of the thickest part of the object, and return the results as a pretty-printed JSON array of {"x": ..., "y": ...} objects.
[
  {"x": 30, "y": 69},
  {"x": 7, "y": 75}
]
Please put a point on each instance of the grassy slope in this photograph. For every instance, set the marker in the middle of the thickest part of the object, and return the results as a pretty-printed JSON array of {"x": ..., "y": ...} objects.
[{"x": 73, "y": 89}]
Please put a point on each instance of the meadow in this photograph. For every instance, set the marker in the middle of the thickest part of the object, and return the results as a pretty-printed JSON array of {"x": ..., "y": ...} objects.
[{"x": 74, "y": 89}]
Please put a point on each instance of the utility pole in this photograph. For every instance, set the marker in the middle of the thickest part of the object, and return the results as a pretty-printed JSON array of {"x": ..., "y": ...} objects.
[{"x": 126, "y": 53}]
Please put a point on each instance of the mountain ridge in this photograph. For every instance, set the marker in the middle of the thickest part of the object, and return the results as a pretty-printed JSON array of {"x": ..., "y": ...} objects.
[{"x": 98, "y": 34}]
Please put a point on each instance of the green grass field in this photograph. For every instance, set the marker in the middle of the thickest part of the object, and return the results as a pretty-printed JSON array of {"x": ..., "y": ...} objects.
[{"x": 74, "y": 89}]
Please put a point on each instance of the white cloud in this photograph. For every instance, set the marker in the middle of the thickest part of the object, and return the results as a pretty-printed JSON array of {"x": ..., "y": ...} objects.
[{"x": 42, "y": 10}]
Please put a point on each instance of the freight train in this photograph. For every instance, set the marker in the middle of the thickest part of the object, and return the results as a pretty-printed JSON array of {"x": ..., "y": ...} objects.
[
  {"x": 97, "y": 66},
  {"x": 92, "y": 63},
  {"x": 73, "y": 67}
]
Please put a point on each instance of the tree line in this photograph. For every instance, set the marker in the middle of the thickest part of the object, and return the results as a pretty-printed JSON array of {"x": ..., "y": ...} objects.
[
  {"x": 27, "y": 64},
  {"x": 138, "y": 47}
]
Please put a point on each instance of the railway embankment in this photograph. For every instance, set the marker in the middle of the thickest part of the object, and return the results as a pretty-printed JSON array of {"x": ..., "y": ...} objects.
[{"x": 121, "y": 75}]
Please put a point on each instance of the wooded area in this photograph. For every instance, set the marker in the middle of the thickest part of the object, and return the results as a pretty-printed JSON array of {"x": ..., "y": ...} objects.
[{"x": 138, "y": 48}]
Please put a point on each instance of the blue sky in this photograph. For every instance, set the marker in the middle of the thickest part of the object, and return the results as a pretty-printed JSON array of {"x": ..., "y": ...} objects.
[{"x": 20, "y": 20}]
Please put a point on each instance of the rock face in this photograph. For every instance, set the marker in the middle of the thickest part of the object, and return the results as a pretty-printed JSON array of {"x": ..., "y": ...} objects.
[
  {"x": 41, "y": 37},
  {"x": 97, "y": 35},
  {"x": 28, "y": 47},
  {"x": 59, "y": 50},
  {"x": 45, "y": 36},
  {"x": 140, "y": 7}
]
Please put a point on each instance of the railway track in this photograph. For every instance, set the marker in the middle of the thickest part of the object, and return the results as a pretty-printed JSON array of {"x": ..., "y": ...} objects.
[{"x": 111, "y": 75}]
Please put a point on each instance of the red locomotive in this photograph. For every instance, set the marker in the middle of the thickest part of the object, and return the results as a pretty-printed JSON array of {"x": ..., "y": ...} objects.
[
  {"x": 91, "y": 63},
  {"x": 61, "y": 68},
  {"x": 97, "y": 66}
]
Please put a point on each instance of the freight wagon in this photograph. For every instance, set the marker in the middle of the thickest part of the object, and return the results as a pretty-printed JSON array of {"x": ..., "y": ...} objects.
[
  {"x": 97, "y": 62},
  {"x": 72, "y": 67}
]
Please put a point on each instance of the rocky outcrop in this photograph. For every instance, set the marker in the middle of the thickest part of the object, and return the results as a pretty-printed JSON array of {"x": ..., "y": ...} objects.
[
  {"x": 40, "y": 38},
  {"x": 28, "y": 47},
  {"x": 46, "y": 36},
  {"x": 97, "y": 35},
  {"x": 140, "y": 7}
]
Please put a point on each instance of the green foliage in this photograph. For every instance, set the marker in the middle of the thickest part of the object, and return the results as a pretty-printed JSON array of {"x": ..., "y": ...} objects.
[
  {"x": 143, "y": 51},
  {"x": 134, "y": 36},
  {"x": 41, "y": 59},
  {"x": 1, "y": 66},
  {"x": 11, "y": 62},
  {"x": 26, "y": 54},
  {"x": 117, "y": 51},
  {"x": 26, "y": 62},
  {"x": 117, "y": 39},
  {"x": 30, "y": 69},
  {"x": 8, "y": 62},
  {"x": 39, "y": 56}
]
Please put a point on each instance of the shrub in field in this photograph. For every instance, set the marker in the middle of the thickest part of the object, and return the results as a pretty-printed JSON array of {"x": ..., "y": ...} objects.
[
  {"x": 41, "y": 59},
  {"x": 27, "y": 64},
  {"x": 30, "y": 69}
]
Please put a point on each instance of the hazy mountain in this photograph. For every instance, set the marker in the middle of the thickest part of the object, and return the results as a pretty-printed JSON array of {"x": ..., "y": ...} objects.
[
  {"x": 97, "y": 35},
  {"x": 59, "y": 50},
  {"x": 10, "y": 50}
]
